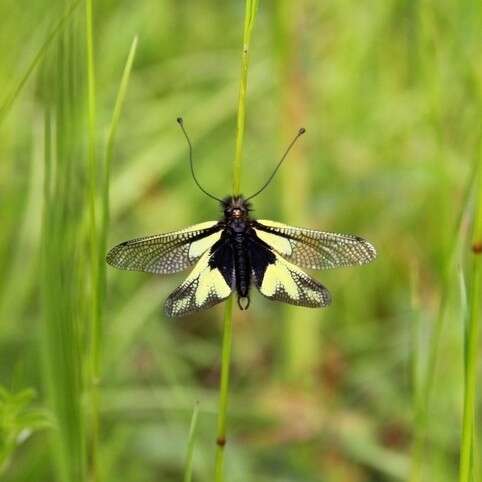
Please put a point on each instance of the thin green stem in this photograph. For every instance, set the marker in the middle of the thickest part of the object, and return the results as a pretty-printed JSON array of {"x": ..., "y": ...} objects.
[
  {"x": 250, "y": 14},
  {"x": 468, "y": 448},
  {"x": 224, "y": 388}
]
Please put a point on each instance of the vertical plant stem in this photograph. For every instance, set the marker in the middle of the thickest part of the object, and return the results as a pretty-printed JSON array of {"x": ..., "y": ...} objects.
[
  {"x": 224, "y": 389},
  {"x": 469, "y": 427},
  {"x": 95, "y": 328},
  {"x": 250, "y": 14},
  {"x": 249, "y": 17}
]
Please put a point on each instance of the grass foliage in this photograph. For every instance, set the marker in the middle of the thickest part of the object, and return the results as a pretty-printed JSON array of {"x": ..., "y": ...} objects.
[{"x": 96, "y": 384}]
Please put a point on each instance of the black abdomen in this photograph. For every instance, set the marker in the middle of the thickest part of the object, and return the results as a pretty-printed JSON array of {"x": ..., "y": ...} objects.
[{"x": 242, "y": 266}]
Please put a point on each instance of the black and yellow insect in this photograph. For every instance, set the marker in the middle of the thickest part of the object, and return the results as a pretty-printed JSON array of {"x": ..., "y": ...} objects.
[{"x": 237, "y": 251}]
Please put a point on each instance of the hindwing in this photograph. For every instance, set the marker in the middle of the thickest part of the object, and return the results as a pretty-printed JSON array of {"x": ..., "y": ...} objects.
[
  {"x": 209, "y": 283},
  {"x": 314, "y": 249},
  {"x": 166, "y": 253},
  {"x": 280, "y": 280}
]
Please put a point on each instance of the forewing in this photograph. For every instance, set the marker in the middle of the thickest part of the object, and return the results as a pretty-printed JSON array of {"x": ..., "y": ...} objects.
[
  {"x": 280, "y": 280},
  {"x": 209, "y": 283},
  {"x": 166, "y": 253},
  {"x": 314, "y": 249}
]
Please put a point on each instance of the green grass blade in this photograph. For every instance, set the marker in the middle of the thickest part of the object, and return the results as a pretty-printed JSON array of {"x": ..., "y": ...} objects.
[
  {"x": 62, "y": 268},
  {"x": 423, "y": 392},
  {"x": 12, "y": 96},
  {"x": 119, "y": 103},
  {"x": 92, "y": 176},
  {"x": 95, "y": 304},
  {"x": 190, "y": 444},
  {"x": 472, "y": 348}
]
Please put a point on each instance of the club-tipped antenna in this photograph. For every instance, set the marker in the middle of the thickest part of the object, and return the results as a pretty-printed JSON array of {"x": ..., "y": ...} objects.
[
  {"x": 265, "y": 185},
  {"x": 181, "y": 123}
]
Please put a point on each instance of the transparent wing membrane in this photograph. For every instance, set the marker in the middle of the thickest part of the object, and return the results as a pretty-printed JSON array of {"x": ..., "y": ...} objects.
[
  {"x": 166, "y": 253},
  {"x": 309, "y": 248}
]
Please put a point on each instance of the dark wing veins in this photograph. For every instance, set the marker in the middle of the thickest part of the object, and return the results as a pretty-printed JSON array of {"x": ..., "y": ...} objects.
[
  {"x": 166, "y": 253},
  {"x": 314, "y": 249}
]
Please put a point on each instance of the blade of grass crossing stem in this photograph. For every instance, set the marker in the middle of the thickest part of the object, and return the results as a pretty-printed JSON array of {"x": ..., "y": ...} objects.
[
  {"x": 423, "y": 399},
  {"x": 469, "y": 427},
  {"x": 190, "y": 444},
  {"x": 51, "y": 36},
  {"x": 121, "y": 95},
  {"x": 250, "y": 15},
  {"x": 98, "y": 231}
]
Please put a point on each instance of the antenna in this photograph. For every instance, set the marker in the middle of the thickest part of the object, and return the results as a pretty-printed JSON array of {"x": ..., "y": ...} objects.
[
  {"x": 265, "y": 185},
  {"x": 181, "y": 123}
]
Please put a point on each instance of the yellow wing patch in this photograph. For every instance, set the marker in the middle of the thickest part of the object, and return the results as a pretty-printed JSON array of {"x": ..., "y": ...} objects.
[
  {"x": 197, "y": 248},
  {"x": 203, "y": 288},
  {"x": 278, "y": 243},
  {"x": 277, "y": 276},
  {"x": 283, "y": 281}
]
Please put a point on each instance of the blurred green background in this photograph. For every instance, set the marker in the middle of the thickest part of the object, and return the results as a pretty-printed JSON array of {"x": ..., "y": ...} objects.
[{"x": 367, "y": 390}]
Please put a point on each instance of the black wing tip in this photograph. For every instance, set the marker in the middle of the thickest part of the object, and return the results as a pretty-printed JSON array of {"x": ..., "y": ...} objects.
[
  {"x": 370, "y": 250},
  {"x": 111, "y": 256}
]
